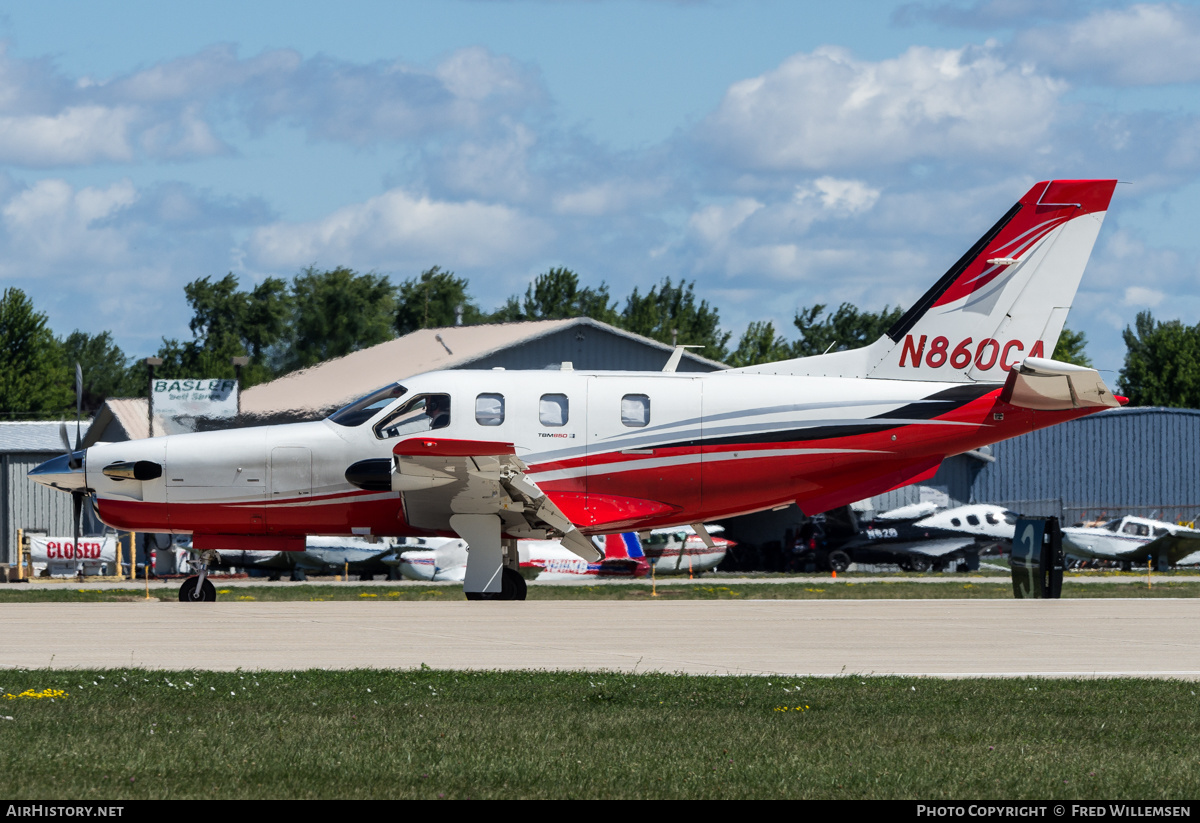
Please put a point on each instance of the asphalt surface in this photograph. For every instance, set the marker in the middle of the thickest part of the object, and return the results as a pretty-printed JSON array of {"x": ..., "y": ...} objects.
[{"x": 941, "y": 638}]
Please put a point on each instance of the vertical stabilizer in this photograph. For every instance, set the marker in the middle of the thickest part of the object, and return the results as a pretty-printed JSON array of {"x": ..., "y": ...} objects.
[{"x": 1004, "y": 300}]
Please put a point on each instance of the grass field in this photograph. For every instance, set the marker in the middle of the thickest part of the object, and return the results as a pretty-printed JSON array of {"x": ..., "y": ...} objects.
[
  {"x": 785, "y": 589},
  {"x": 115, "y": 735}
]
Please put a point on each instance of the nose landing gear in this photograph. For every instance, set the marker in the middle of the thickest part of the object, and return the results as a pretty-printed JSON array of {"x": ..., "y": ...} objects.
[{"x": 199, "y": 589}]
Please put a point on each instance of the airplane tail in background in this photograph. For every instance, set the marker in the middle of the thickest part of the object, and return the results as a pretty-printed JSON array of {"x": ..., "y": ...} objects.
[
  {"x": 625, "y": 546},
  {"x": 1004, "y": 300},
  {"x": 623, "y": 556}
]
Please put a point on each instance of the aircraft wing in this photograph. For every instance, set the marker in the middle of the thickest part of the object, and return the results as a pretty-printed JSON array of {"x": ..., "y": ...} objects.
[
  {"x": 440, "y": 478},
  {"x": 1177, "y": 546},
  {"x": 929, "y": 548}
]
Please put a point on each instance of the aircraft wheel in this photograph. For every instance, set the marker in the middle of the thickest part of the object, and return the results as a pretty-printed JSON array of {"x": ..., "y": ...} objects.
[
  {"x": 512, "y": 585},
  {"x": 189, "y": 594},
  {"x": 919, "y": 564},
  {"x": 905, "y": 565},
  {"x": 839, "y": 561}
]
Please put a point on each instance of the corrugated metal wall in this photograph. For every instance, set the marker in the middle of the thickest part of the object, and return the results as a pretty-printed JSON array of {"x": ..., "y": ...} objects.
[
  {"x": 1127, "y": 461},
  {"x": 27, "y": 505}
]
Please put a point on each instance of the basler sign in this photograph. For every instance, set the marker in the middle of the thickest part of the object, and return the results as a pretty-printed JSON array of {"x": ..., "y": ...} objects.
[{"x": 195, "y": 397}]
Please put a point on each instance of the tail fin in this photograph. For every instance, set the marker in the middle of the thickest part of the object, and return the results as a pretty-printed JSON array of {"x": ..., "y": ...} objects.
[
  {"x": 623, "y": 546},
  {"x": 623, "y": 557},
  {"x": 1004, "y": 300}
]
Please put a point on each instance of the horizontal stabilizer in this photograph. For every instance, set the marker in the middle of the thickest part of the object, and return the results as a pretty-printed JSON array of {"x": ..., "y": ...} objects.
[{"x": 1050, "y": 385}]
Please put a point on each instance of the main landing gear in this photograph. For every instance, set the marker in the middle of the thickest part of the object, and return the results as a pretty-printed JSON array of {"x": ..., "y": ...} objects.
[
  {"x": 493, "y": 564},
  {"x": 199, "y": 589},
  {"x": 512, "y": 587}
]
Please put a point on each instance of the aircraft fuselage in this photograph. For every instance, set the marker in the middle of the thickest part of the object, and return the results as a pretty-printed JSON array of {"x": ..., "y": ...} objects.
[{"x": 614, "y": 451}]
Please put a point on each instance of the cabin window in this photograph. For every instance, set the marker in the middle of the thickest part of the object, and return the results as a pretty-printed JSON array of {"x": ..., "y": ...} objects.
[
  {"x": 973, "y": 519},
  {"x": 635, "y": 410},
  {"x": 1140, "y": 529},
  {"x": 991, "y": 518},
  {"x": 423, "y": 413},
  {"x": 954, "y": 521},
  {"x": 554, "y": 410},
  {"x": 489, "y": 409}
]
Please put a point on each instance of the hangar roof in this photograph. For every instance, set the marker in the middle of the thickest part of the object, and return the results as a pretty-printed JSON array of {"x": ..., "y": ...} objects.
[{"x": 337, "y": 382}]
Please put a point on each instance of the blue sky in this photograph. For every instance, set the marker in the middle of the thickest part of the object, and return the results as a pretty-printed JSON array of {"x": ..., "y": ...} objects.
[{"x": 778, "y": 153}]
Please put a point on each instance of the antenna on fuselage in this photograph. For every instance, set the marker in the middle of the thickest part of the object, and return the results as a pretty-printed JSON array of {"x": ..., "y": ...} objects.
[{"x": 676, "y": 356}]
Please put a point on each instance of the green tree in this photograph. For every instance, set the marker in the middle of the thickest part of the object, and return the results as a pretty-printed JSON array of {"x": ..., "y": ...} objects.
[
  {"x": 846, "y": 328},
  {"x": 226, "y": 323},
  {"x": 669, "y": 313},
  {"x": 107, "y": 372},
  {"x": 1162, "y": 363},
  {"x": 760, "y": 344},
  {"x": 336, "y": 312},
  {"x": 1070, "y": 348},
  {"x": 34, "y": 381},
  {"x": 433, "y": 300},
  {"x": 554, "y": 295}
]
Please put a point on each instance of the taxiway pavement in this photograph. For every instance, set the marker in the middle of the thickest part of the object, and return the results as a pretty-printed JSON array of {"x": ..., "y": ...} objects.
[{"x": 940, "y": 638}]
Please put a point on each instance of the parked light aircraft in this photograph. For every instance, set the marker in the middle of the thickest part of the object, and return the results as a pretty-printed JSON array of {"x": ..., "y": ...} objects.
[
  {"x": 321, "y": 555},
  {"x": 920, "y": 537},
  {"x": 539, "y": 560},
  {"x": 682, "y": 551},
  {"x": 1129, "y": 539},
  {"x": 494, "y": 456}
]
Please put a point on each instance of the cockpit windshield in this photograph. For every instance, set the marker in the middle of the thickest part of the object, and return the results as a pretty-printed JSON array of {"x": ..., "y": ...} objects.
[{"x": 363, "y": 409}]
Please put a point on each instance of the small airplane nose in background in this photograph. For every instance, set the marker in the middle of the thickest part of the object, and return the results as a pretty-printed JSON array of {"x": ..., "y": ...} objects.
[{"x": 64, "y": 472}]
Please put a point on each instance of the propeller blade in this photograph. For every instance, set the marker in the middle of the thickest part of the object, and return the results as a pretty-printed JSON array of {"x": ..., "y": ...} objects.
[
  {"x": 66, "y": 440},
  {"x": 78, "y": 403}
]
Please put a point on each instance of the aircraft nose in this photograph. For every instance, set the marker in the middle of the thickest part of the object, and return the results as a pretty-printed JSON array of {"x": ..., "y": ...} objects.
[{"x": 64, "y": 472}]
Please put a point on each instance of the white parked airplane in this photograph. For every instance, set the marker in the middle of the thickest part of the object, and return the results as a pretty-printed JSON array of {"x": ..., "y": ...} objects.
[
  {"x": 669, "y": 551},
  {"x": 1132, "y": 539},
  {"x": 321, "y": 555},
  {"x": 495, "y": 456},
  {"x": 682, "y": 551}
]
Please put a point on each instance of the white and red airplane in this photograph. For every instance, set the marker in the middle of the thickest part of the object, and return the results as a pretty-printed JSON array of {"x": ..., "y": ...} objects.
[
  {"x": 494, "y": 456},
  {"x": 542, "y": 560}
]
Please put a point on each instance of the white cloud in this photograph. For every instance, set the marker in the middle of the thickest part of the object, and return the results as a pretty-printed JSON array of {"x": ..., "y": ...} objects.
[
  {"x": 51, "y": 221},
  {"x": 609, "y": 197},
  {"x": 494, "y": 169},
  {"x": 1145, "y": 44},
  {"x": 397, "y": 230},
  {"x": 840, "y": 197},
  {"x": 172, "y": 109},
  {"x": 714, "y": 224},
  {"x": 1141, "y": 296},
  {"x": 827, "y": 110},
  {"x": 77, "y": 135}
]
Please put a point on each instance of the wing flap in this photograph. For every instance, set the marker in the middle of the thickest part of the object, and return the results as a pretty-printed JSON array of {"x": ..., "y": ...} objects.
[{"x": 452, "y": 477}]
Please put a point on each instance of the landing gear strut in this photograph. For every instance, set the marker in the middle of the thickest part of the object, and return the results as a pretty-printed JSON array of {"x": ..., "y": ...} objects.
[
  {"x": 493, "y": 563},
  {"x": 199, "y": 589}
]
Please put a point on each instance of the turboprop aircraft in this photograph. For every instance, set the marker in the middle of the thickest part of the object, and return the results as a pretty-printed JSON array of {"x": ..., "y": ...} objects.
[{"x": 494, "y": 456}]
